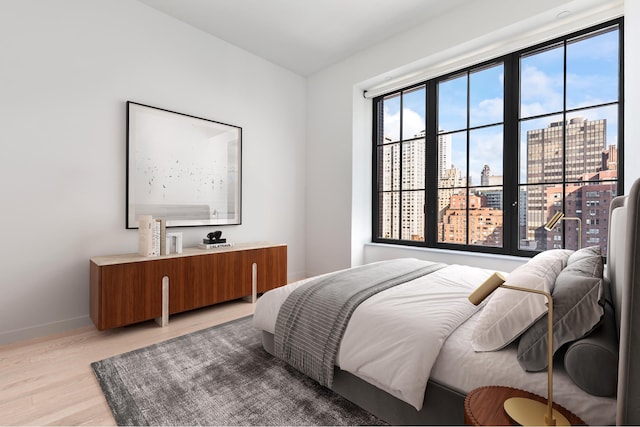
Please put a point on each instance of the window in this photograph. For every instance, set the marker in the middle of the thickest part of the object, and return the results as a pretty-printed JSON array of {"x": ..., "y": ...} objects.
[{"x": 479, "y": 159}]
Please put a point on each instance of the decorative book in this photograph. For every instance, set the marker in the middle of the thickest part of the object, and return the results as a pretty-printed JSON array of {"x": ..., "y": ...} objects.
[
  {"x": 151, "y": 236},
  {"x": 214, "y": 245},
  {"x": 146, "y": 229}
]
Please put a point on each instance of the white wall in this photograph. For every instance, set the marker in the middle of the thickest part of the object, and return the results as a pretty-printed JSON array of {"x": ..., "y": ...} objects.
[
  {"x": 67, "y": 69},
  {"x": 339, "y": 123}
]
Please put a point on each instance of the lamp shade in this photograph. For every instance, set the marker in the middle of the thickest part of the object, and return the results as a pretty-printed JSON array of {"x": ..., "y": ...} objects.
[
  {"x": 484, "y": 290},
  {"x": 553, "y": 221}
]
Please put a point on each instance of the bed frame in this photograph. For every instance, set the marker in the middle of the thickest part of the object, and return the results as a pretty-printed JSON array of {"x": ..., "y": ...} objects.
[
  {"x": 445, "y": 406},
  {"x": 624, "y": 276}
]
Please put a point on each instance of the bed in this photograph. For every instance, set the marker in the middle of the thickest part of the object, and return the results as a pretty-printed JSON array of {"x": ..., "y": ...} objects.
[{"x": 387, "y": 362}]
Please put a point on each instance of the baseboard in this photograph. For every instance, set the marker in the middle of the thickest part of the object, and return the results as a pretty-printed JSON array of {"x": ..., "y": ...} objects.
[{"x": 45, "y": 329}]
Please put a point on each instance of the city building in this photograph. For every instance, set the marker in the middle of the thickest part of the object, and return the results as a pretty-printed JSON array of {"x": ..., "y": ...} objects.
[
  {"x": 444, "y": 154},
  {"x": 546, "y": 159},
  {"x": 448, "y": 185},
  {"x": 484, "y": 223},
  {"x": 491, "y": 188},
  {"x": 410, "y": 170},
  {"x": 403, "y": 168},
  {"x": 590, "y": 203}
]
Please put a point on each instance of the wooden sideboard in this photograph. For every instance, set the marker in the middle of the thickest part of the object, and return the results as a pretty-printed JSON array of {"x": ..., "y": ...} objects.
[{"x": 128, "y": 288}]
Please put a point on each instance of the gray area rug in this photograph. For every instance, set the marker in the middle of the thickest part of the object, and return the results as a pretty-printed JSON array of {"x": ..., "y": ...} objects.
[{"x": 218, "y": 376}]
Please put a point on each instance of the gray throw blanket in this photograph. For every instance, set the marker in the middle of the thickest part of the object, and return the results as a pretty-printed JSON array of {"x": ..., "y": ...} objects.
[{"x": 312, "y": 320}]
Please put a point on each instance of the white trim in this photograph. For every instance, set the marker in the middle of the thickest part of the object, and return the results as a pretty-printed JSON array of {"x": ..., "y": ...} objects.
[
  {"x": 44, "y": 329},
  {"x": 538, "y": 29}
]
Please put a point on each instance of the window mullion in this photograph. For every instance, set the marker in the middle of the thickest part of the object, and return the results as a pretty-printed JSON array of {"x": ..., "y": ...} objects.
[
  {"x": 401, "y": 166},
  {"x": 511, "y": 156},
  {"x": 431, "y": 169}
]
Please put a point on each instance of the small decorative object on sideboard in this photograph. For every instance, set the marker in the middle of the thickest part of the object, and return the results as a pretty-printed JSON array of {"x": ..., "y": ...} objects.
[
  {"x": 146, "y": 228},
  {"x": 214, "y": 240},
  {"x": 161, "y": 237},
  {"x": 174, "y": 243},
  {"x": 214, "y": 237},
  {"x": 151, "y": 232}
]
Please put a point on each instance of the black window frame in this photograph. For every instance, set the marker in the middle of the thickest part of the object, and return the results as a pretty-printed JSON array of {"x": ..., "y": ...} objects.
[{"x": 511, "y": 105}]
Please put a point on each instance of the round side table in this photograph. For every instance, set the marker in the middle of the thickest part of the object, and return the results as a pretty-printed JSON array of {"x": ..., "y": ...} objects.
[{"x": 484, "y": 406}]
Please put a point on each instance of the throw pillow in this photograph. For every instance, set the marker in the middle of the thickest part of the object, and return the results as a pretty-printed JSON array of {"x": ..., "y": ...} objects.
[
  {"x": 578, "y": 307},
  {"x": 509, "y": 313}
]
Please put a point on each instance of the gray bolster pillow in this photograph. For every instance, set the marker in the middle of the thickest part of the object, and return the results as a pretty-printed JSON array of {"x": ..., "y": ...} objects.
[{"x": 592, "y": 362}]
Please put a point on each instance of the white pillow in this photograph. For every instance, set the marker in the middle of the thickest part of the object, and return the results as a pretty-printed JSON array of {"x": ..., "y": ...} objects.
[{"x": 509, "y": 313}]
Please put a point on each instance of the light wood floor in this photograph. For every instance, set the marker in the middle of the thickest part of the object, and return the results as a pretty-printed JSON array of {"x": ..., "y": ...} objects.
[{"x": 48, "y": 381}]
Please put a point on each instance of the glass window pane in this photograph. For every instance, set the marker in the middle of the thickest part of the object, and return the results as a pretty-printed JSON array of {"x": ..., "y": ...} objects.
[
  {"x": 413, "y": 215},
  {"x": 575, "y": 208},
  {"x": 595, "y": 201},
  {"x": 452, "y": 224},
  {"x": 541, "y": 155},
  {"x": 452, "y": 159},
  {"x": 554, "y": 202},
  {"x": 444, "y": 200},
  {"x": 445, "y": 146},
  {"x": 591, "y": 144},
  {"x": 485, "y": 156},
  {"x": 485, "y": 216},
  {"x": 389, "y": 207},
  {"x": 413, "y": 157},
  {"x": 413, "y": 113},
  {"x": 391, "y": 118},
  {"x": 589, "y": 202},
  {"x": 452, "y": 104},
  {"x": 592, "y": 70},
  {"x": 486, "y": 96},
  {"x": 536, "y": 202},
  {"x": 389, "y": 167},
  {"x": 542, "y": 82}
]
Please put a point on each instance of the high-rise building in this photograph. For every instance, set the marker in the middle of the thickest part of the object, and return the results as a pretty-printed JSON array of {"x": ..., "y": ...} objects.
[
  {"x": 404, "y": 219},
  {"x": 413, "y": 182},
  {"x": 484, "y": 175},
  {"x": 525, "y": 244},
  {"x": 551, "y": 159},
  {"x": 448, "y": 185},
  {"x": 444, "y": 154},
  {"x": 389, "y": 201},
  {"x": 491, "y": 188},
  {"x": 403, "y": 168},
  {"x": 610, "y": 158}
]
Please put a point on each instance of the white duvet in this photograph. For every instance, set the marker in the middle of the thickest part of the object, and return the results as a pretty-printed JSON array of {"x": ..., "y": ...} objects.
[{"x": 394, "y": 337}]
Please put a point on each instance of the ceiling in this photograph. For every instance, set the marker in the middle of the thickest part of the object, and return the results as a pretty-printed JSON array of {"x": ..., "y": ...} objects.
[{"x": 304, "y": 36}]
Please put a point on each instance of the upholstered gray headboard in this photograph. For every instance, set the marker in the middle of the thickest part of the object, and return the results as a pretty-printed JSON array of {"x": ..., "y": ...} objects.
[{"x": 623, "y": 263}]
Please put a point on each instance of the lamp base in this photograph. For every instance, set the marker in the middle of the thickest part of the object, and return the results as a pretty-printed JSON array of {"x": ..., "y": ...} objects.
[{"x": 529, "y": 412}]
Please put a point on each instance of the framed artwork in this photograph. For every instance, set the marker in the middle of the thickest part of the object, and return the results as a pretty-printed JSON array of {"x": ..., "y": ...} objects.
[{"x": 184, "y": 169}]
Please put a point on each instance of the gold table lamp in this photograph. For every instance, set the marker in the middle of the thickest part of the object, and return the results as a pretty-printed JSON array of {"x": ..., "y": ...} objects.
[
  {"x": 559, "y": 216},
  {"x": 527, "y": 412}
]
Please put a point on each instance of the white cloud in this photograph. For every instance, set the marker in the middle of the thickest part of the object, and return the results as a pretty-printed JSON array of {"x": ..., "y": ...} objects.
[
  {"x": 487, "y": 111},
  {"x": 413, "y": 124},
  {"x": 541, "y": 93}
]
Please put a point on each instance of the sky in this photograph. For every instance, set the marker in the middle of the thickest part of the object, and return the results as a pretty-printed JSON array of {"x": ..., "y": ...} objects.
[{"x": 591, "y": 79}]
